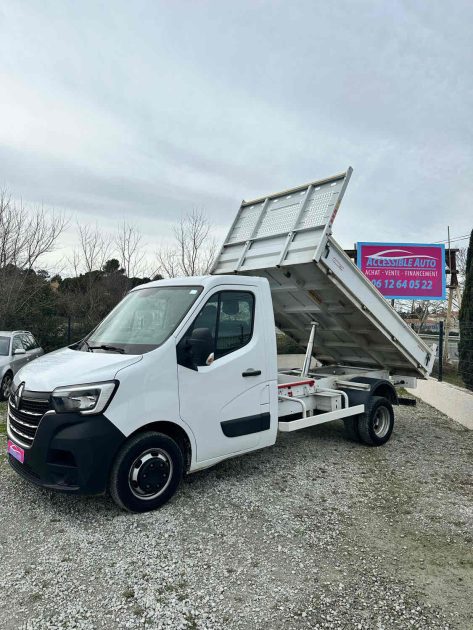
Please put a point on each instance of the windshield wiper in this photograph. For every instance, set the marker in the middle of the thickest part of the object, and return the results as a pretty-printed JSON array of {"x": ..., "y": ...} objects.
[{"x": 104, "y": 347}]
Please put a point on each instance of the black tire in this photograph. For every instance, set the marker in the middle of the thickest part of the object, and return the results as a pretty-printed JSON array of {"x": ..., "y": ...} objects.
[
  {"x": 146, "y": 472},
  {"x": 351, "y": 429},
  {"x": 377, "y": 422},
  {"x": 5, "y": 385}
]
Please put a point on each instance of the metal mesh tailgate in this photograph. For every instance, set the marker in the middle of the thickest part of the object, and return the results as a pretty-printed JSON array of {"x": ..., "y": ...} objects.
[{"x": 285, "y": 228}]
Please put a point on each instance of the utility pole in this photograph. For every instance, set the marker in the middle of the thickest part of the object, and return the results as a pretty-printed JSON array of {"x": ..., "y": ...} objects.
[{"x": 448, "y": 321}]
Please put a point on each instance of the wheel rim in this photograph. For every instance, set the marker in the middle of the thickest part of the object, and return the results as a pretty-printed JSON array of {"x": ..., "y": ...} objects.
[
  {"x": 6, "y": 386},
  {"x": 150, "y": 474},
  {"x": 381, "y": 422}
]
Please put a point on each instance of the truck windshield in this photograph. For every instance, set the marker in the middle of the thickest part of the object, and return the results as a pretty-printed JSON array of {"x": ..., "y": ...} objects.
[
  {"x": 143, "y": 320},
  {"x": 4, "y": 346}
]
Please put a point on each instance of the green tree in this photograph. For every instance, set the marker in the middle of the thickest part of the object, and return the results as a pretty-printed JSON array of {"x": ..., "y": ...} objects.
[
  {"x": 465, "y": 347},
  {"x": 112, "y": 266},
  {"x": 35, "y": 307}
]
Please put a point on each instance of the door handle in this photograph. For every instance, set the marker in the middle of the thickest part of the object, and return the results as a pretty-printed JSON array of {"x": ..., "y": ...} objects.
[{"x": 251, "y": 372}]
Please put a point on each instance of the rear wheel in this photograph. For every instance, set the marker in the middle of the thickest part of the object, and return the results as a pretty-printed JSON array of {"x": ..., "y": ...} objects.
[
  {"x": 376, "y": 424},
  {"x": 146, "y": 472},
  {"x": 5, "y": 386}
]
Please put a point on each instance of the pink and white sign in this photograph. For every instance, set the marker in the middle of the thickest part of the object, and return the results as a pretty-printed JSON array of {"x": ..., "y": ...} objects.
[
  {"x": 16, "y": 451},
  {"x": 404, "y": 270}
]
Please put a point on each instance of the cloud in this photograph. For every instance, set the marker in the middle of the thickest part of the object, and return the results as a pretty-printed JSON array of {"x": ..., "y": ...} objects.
[{"x": 148, "y": 109}]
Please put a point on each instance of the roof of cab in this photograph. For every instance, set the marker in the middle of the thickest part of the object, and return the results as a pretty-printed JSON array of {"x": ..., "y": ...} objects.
[{"x": 206, "y": 281}]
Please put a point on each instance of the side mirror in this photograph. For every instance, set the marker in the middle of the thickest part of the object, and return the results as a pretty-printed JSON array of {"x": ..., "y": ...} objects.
[
  {"x": 185, "y": 355},
  {"x": 19, "y": 351},
  {"x": 195, "y": 350}
]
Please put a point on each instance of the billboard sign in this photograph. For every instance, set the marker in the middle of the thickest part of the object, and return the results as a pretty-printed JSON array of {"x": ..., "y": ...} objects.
[{"x": 404, "y": 271}]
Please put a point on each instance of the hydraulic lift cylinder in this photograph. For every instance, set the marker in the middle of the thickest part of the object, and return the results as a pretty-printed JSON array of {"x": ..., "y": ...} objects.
[{"x": 308, "y": 352}]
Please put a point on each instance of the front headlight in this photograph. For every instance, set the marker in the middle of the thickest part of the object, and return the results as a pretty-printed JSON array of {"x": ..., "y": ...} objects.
[{"x": 84, "y": 399}]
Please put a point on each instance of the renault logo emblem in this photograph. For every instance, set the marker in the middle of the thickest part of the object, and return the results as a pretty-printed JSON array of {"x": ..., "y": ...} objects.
[{"x": 18, "y": 395}]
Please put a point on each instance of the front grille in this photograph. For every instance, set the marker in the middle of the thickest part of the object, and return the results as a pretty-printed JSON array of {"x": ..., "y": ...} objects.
[{"x": 23, "y": 421}]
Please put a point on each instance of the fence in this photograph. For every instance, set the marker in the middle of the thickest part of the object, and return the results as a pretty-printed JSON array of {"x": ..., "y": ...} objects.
[
  {"x": 454, "y": 360},
  {"x": 56, "y": 331}
]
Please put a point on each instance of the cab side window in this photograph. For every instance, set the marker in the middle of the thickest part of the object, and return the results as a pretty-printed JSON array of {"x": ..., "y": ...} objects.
[
  {"x": 17, "y": 343},
  {"x": 224, "y": 325},
  {"x": 27, "y": 341},
  {"x": 235, "y": 321}
]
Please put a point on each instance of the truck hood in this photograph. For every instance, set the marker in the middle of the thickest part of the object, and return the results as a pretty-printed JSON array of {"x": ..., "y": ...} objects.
[{"x": 71, "y": 367}]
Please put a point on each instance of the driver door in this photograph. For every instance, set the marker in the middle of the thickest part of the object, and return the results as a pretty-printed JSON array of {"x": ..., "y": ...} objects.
[{"x": 223, "y": 384}]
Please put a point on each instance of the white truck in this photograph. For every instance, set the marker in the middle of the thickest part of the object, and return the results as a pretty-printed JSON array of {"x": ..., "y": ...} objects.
[{"x": 182, "y": 374}]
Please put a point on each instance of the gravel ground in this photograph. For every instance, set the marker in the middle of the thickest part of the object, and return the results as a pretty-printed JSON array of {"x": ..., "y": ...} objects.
[{"x": 317, "y": 532}]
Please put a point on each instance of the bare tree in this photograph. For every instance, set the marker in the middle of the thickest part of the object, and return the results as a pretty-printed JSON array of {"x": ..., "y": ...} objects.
[
  {"x": 128, "y": 242},
  {"x": 74, "y": 261},
  {"x": 85, "y": 298},
  {"x": 461, "y": 266},
  {"x": 25, "y": 236},
  {"x": 94, "y": 249},
  {"x": 168, "y": 262},
  {"x": 194, "y": 250}
]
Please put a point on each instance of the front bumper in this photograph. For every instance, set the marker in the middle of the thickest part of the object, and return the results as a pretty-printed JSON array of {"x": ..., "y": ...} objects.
[{"x": 71, "y": 453}]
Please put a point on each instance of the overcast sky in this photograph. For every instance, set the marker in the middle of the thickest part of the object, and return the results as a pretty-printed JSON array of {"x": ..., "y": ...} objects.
[{"x": 143, "y": 110}]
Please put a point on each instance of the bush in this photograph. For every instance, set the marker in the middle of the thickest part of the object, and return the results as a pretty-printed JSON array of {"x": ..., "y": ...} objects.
[{"x": 286, "y": 345}]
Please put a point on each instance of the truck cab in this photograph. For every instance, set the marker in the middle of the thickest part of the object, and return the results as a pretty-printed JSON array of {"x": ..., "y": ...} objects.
[{"x": 182, "y": 370}]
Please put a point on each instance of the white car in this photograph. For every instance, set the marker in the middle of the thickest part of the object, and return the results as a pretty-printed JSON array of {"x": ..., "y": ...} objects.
[{"x": 17, "y": 348}]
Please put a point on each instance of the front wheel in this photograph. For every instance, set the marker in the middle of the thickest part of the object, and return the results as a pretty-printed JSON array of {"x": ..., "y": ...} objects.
[
  {"x": 146, "y": 472},
  {"x": 376, "y": 424}
]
